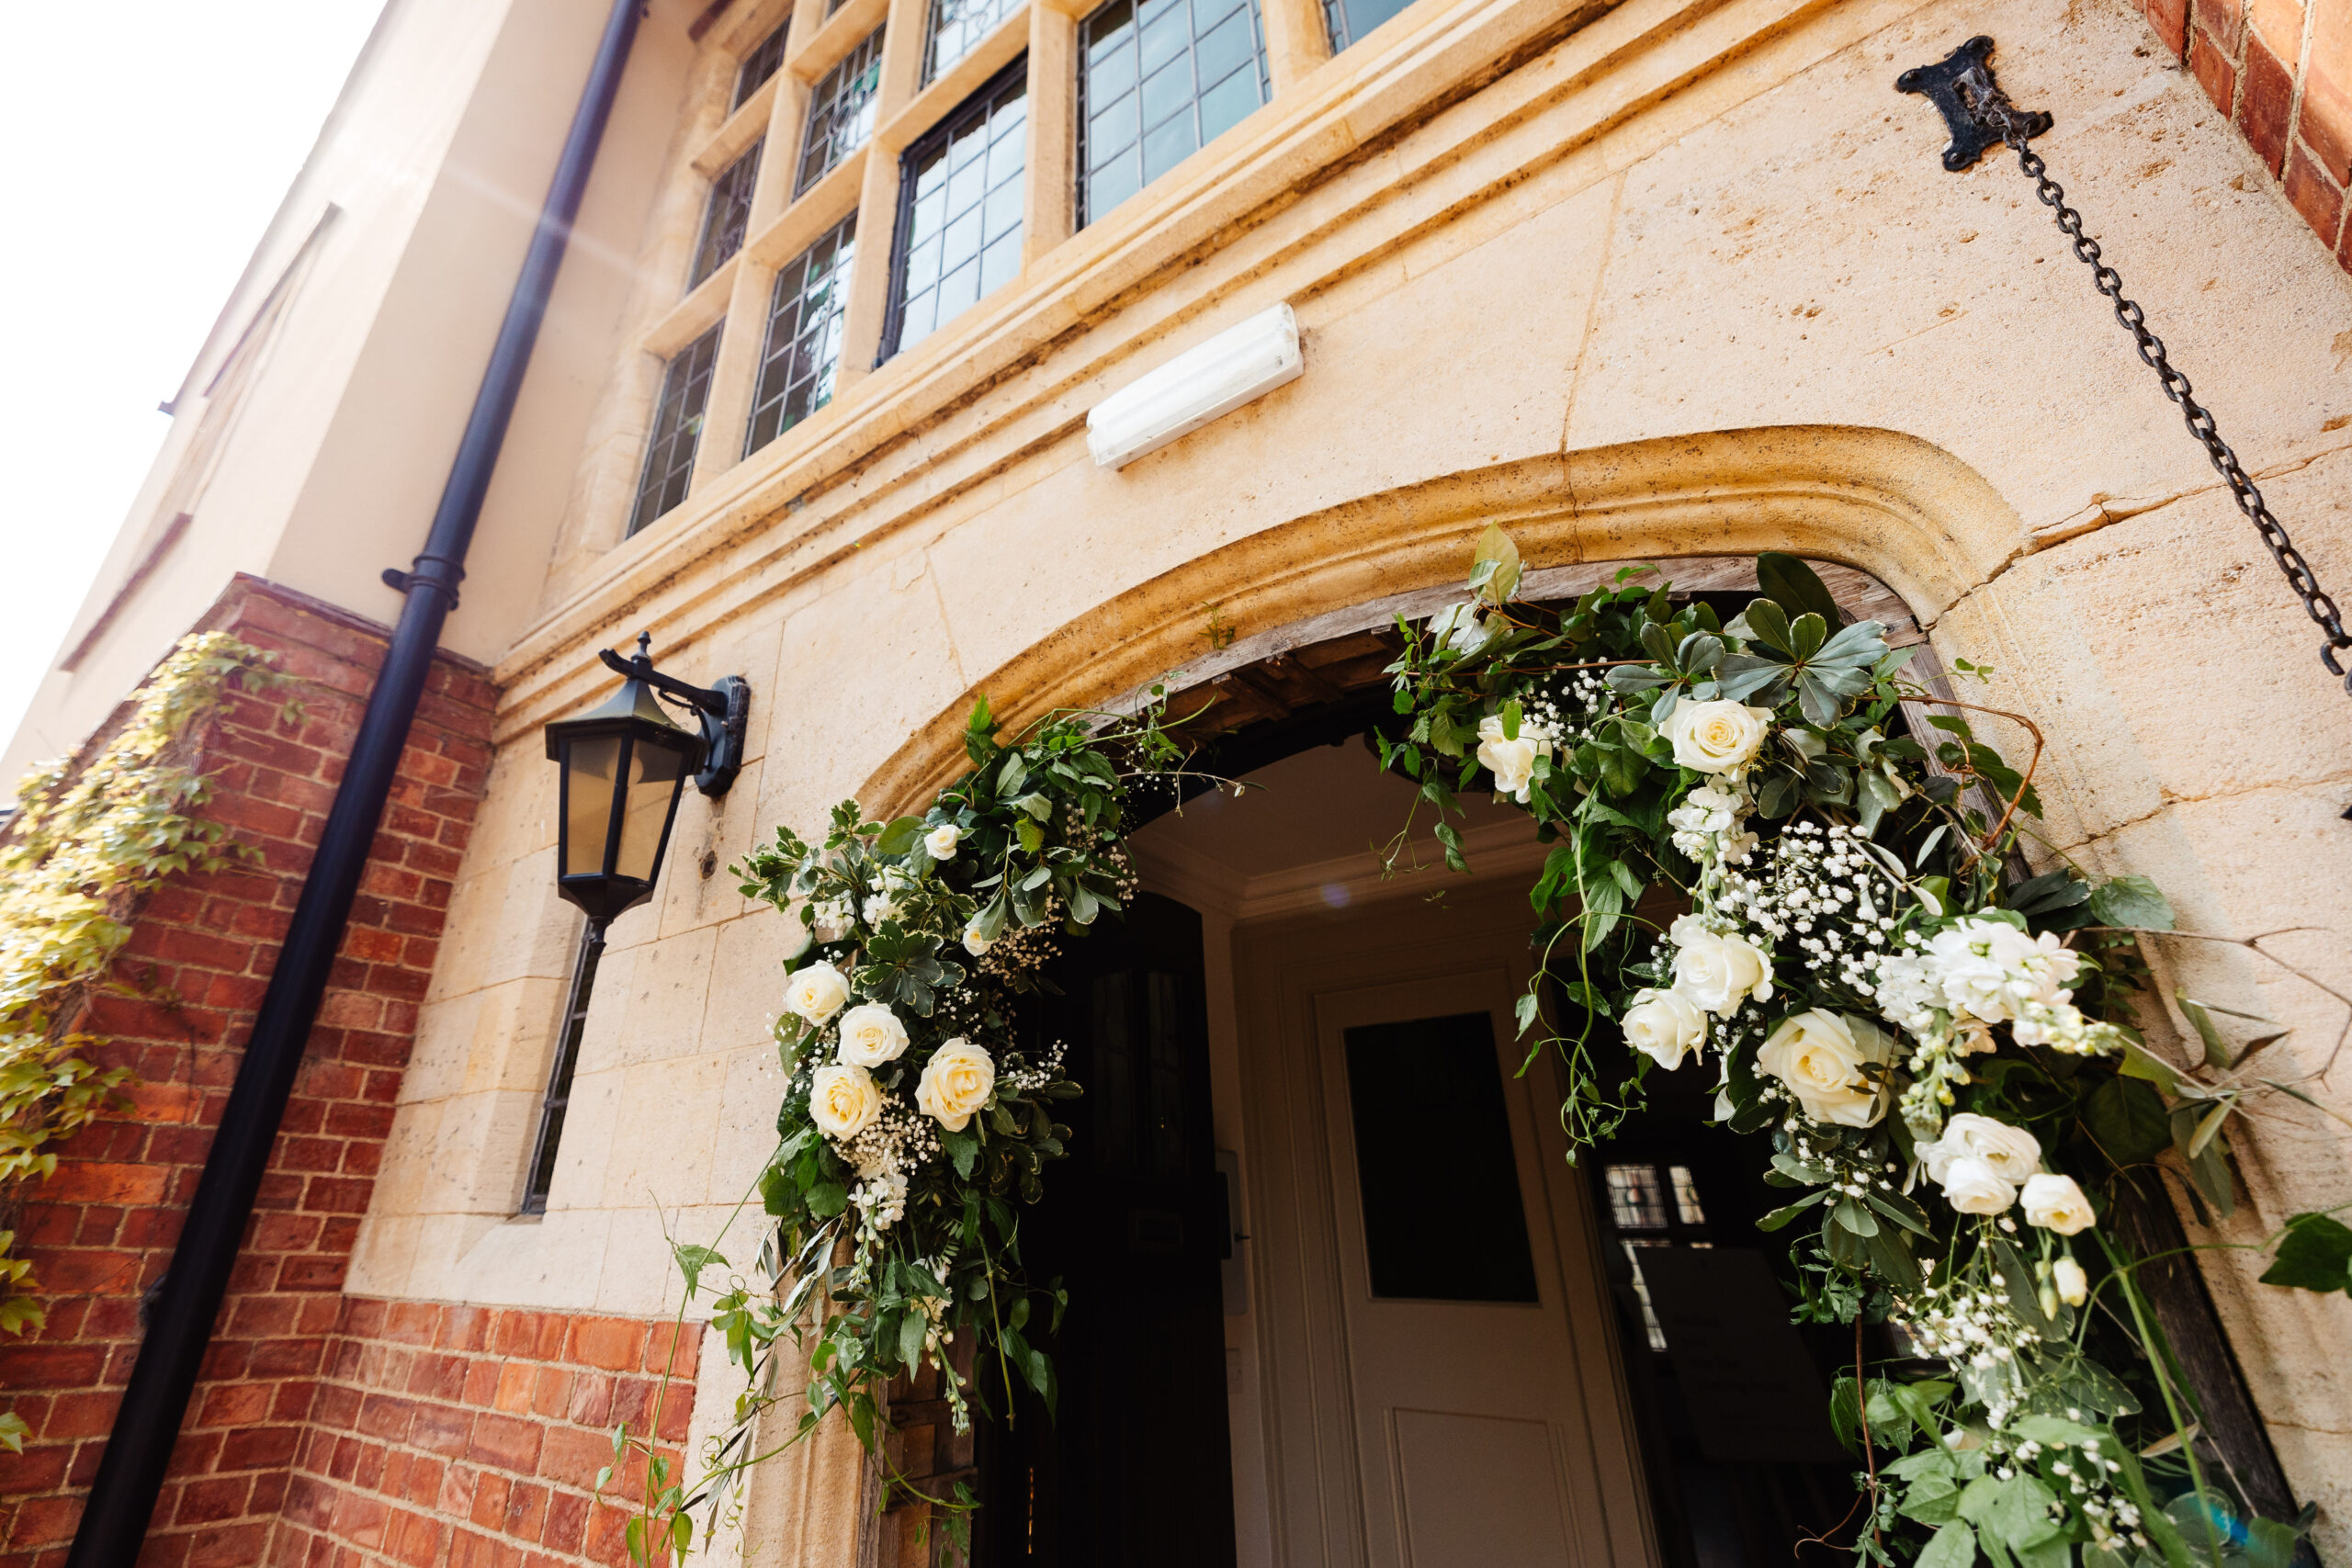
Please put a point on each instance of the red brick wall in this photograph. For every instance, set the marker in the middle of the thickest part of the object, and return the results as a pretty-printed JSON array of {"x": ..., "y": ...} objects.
[
  {"x": 2281, "y": 71},
  {"x": 471, "y": 1436},
  {"x": 101, "y": 1232}
]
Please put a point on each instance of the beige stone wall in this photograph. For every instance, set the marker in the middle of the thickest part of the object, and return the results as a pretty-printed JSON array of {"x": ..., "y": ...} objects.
[{"x": 1690, "y": 280}]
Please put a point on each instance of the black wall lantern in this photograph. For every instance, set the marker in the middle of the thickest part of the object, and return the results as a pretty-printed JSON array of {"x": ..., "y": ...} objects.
[{"x": 624, "y": 765}]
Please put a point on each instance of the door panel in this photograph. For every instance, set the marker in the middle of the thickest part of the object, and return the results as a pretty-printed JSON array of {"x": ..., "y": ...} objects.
[{"x": 1479, "y": 1491}]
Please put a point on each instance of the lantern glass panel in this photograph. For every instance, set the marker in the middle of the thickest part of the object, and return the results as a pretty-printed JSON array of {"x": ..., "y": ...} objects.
[
  {"x": 591, "y": 765},
  {"x": 654, "y": 772}
]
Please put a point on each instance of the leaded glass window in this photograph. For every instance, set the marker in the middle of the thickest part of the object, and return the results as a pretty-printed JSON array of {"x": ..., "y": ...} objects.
[
  {"x": 1351, "y": 19},
  {"x": 759, "y": 64},
  {"x": 677, "y": 429},
  {"x": 959, "y": 210},
  {"x": 953, "y": 27},
  {"x": 727, "y": 218},
  {"x": 841, "y": 111},
  {"x": 803, "y": 348},
  {"x": 1158, "y": 79}
]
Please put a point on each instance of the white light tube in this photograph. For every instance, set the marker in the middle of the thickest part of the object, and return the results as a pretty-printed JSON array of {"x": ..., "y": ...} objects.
[{"x": 1241, "y": 363}]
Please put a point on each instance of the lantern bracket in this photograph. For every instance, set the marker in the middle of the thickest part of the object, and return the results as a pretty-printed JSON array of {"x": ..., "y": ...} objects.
[
  {"x": 1958, "y": 85},
  {"x": 723, "y": 711}
]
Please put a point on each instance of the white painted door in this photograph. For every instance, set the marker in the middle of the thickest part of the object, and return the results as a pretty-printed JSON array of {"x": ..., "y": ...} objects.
[{"x": 1471, "y": 1432}]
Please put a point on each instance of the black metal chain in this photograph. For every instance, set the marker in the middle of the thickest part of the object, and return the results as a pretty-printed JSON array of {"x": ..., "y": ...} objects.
[{"x": 1992, "y": 109}]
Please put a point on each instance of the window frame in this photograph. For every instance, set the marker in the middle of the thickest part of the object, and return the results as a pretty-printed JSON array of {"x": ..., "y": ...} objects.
[
  {"x": 938, "y": 134},
  {"x": 759, "y": 55},
  {"x": 538, "y": 1172},
  {"x": 656, "y": 439},
  {"x": 1081, "y": 214},
  {"x": 733, "y": 187},
  {"x": 843, "y": 266},
  {"x": 863, "y": 55}
]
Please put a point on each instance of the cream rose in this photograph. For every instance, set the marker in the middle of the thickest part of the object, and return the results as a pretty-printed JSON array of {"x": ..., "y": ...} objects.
[
  {"x": 1974, "y": 1187},
  {"x": 2012, "y": 1152},
  {"x": 976, "y": 940},
  {"x": 2073, "y": 1285},
  {"x": 1718, "y": 972},
  {"x": 1820, "y": 1056},
  {"x": 842, "y": 1100},
  {"x": 1665, "y": 1026},
  {"x": 1511, "y": 761},
  {"x": 2055, "y": 1203},
  {"x": 1717, "y": 737},
  {"x": 956, "y": 1081},
  {"x": 816, "y": 993},
  {"x": 941, "y": 841},
  {"x": 871, "y": 1035}
]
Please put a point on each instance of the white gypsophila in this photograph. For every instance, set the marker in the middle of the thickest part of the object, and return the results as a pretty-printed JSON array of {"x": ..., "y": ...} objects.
[
  {"x": 1817, "y": 901},
  {"x": 2012, "y": 1152}
]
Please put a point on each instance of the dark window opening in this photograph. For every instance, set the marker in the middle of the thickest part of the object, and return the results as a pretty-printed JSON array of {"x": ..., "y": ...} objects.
[
  {"x": 677, "y": 429},
  {"x": 759, "y": 64},
  {"x": 959, "y": 212},
  {"x": 567, "y": 1059},
  {"x": 803, "y": 354},
  {"x": 841, "y": 111},
  {"x": 1157, "y": 80},
  {"x": 1448, "y": 1231},
  {"x": 727, "y": 218}
]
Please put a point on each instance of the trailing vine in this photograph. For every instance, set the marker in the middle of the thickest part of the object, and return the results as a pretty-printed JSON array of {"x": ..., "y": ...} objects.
[{"x": 89, "y": 837}]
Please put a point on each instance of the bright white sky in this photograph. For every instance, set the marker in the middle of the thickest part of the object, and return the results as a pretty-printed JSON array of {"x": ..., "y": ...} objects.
[{"x": 139, "y": 159}]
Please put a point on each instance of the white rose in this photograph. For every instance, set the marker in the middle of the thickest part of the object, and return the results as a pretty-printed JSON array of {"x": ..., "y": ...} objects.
[
  {"x": 816, "y": 993},
  {"x": 956, "y": 1081},
  {"x": 1718, "y": 972},
  {"x": 1974, "y": 1187},
  {"x": 1717, "y": 737},
  {"x": 842, "y": 1100},
  {"x": 2055, "y": 1203},
  {"x": 941, "y": 841},
  {"x": 2012, "y": 1152},
  {"x": 1665, "y": 1026},
  {"x": 977, "y": 941},
  {"x": 871, "y": 1035},
  {"x": 2073, "y": 1285},
  {"x": 1820, "y": 1056},
  {"x": 1511, "y": 761}
]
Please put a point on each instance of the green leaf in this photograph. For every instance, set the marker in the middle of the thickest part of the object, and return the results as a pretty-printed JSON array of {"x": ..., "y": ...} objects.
[
  {"x": 1494, "y": 567},
  {"x": 1935, "y": 1500},
  {"x": 1526, "y": 1010},
  {"x": 1807, "y": 634},
  {"x": 911, "y": 1337},
  {"x": 2314, "y": 1255},
  {"x": 828, "y": 1198},
  {"x": 1770, "y": 623},
  {"x": 2128, "y": 1121},
  {"x": 1954, "y": 1546},
  {"x": 1879, "y": 795},
  {"x": 1790, "y": 583},
  {"x": 2132, "y": 901},
  {"x": 1856, "y": 1217},
  {"x": 2017, "y": 1280},
  {"x": 1780, "y": 1217},
  {"x": 2209, "y": 1172},
  {"x": 2217, "y": 1048},
  {"x": 899, "y": 836},
  {"x": 693, "y": 1260},
  {"x": 2139, "y": 1061}
]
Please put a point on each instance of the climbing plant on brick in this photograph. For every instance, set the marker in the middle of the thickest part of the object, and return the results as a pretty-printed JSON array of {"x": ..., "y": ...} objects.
[{"x": 92, "y": 834}]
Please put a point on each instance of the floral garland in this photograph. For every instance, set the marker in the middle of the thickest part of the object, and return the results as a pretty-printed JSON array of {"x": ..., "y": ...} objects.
[
  {"x": 913, "y": 1125},
  {"x": 1943, "y": 1057}
]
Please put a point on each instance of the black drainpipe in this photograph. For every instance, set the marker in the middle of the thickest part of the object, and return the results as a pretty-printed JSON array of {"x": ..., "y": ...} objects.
[{"x": 186, "y": 1301}]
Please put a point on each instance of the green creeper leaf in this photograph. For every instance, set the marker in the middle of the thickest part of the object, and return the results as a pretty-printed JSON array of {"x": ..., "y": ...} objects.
[
  {"x": 1954, "y": 1545},
  {"x": 1526, "y": 1008},
  {"x": 693, "y": 1260},
  {"x": 2132, "y": 901},
  {"x": 1935, "y": 1500},
  {"x": 2128, "y": 1120},
  {"x": 2314, "y": 1255}
]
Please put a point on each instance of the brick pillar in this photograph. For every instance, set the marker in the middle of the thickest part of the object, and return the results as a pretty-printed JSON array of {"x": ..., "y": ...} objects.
[{"x": 102, "y": 1229}]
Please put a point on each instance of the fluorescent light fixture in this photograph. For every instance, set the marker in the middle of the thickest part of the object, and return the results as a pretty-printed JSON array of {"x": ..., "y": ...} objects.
[{"x": 1239, "y": 364}]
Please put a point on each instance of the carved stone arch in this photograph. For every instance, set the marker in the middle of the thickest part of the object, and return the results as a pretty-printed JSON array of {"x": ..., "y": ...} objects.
[{"x": 1924, "y": 524}]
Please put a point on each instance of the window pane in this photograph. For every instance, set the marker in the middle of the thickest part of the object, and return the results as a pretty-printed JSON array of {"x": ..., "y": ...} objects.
[
  {"x": 1202, "y": 66},
  {"x": 758, "y": 65},
  {"x": 955, "y": 26},
  {"x": 1351, "y": 19},
  {"x": 802, "y": 358},
  {"x": 727, "y": 218},
  {"x": 1449, "y": 1230},
  {"x": 592, "y": 764},
  {"x": 653, "y": 774},
  {"x": 841, "y": 111},
  {"x": 959, "y": 233},
  {"x": 1636, "y": 1198},
  {"x": 677, "y": 428}
]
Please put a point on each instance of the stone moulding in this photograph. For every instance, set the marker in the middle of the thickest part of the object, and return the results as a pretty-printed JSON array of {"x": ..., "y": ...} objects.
[{"x": 1906, "y": 512}]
